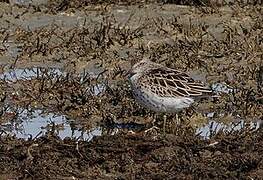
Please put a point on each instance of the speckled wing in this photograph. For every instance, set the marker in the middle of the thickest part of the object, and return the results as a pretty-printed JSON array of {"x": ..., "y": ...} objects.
[{"x": 168, "y": 82}]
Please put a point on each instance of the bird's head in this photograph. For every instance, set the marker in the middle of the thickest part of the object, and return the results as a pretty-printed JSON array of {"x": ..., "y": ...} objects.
[{"x": 139, "y": 69}]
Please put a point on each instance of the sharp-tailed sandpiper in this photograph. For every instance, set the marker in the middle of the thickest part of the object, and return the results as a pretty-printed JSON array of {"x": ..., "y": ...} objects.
[{"x": 162, "y": 89}]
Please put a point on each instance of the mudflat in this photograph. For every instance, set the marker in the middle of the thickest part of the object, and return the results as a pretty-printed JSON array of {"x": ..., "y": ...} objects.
[{"x": 66, "y": 107}]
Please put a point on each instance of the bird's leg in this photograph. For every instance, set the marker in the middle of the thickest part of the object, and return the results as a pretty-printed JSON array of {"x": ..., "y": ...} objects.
[
  {"x": 177, "y": 120},
  {"x": 153, "y": 128},
  {"x": 164, "y": 122},
  {"x": 154, "y": 116}
]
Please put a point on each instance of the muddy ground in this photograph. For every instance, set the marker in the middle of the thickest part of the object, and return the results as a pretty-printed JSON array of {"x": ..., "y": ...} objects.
[
  {"x": 235, "y": 156},
  {"x": 70, "y": 58}
]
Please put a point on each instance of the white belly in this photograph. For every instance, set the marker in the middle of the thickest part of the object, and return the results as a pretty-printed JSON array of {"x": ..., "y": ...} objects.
[{"x": 162, "y": 104}]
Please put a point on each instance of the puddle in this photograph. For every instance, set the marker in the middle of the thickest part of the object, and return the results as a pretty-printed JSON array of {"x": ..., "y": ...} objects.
[
  {"x": 28, "y": 73},
  {"x": 28, "y": 2},
  {"x": 222, "y": 88},
  {"x": 20, "y": 2},
  {"x": 214, "y": 127},
  {"x": 37, "y": 124},
  {"x": 14, "y": 75},
  {"x": 26, "y": 126},
  {"x": 98, "y": 89}
]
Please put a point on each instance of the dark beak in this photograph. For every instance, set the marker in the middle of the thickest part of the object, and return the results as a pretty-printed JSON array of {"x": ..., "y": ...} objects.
[{"x": 129, "y": 74}]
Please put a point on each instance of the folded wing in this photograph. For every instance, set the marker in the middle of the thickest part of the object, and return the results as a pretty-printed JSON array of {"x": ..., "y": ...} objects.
[{"x": 168, "y": 82}]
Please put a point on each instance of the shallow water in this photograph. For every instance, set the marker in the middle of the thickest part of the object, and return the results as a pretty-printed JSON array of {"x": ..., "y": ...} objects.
[
  {"x": 222, "y": 88},
  {"x": 213, "y": 127},
  {"x": 27, "y": 73},
  {"x": 14, "y": 75},
  {"x": 37, "y": 123}
]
